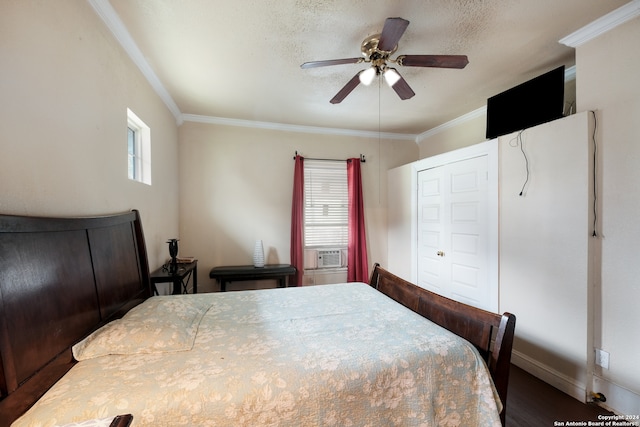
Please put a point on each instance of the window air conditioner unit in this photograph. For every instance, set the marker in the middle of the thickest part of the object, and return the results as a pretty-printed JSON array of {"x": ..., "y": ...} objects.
[{"x": 328, "y": 258}]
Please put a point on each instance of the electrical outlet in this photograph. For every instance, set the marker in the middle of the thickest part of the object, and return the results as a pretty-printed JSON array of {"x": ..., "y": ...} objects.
[{"x": 602, "y": 358}]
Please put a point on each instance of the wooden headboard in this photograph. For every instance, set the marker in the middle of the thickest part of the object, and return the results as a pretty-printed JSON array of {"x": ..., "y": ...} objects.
[
  {"x": 60, "y": 279},
  {"x": 492, "y": 334}
]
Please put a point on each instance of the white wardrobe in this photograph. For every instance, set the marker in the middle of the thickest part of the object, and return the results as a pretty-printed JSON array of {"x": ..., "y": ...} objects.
[
  {"x": 447, "y": 211},
  {"x": 507, "y": 225}
]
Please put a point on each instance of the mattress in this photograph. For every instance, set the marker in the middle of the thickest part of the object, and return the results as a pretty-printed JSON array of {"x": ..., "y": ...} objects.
[{"x": 329, "y": 355}]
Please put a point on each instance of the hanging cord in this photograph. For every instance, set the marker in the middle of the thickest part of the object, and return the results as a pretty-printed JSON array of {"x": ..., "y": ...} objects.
[
  {"x": 595, "y": 176},
  {"x": 520, "y": 142},
  {"x": 379, "y": 139}
]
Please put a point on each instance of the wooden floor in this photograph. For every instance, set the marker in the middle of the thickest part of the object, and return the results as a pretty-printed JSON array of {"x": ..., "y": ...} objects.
[{"x": 532, "y": 402}]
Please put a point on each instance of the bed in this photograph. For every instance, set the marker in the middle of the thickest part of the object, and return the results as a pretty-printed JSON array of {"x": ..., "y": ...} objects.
[{"x": 345, "y": 354}]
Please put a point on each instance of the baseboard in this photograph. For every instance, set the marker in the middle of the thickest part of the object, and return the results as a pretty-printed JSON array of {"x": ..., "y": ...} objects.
[
  {"x": 620, "y": 400},
  {"x": 549, "y": 375}
]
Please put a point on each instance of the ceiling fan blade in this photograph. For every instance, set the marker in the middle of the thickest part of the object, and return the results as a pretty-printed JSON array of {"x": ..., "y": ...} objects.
[
  {"x": 438, "y": 61},
  {"x": 403, "y": 89},
  {"x": 346, "y": 90},
  {"x": 391, "y": 32},
  {"x": 314, "y": 64}
]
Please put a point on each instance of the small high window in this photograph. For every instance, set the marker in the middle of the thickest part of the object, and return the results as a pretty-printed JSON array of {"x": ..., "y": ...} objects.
[{"x": 139, "y": 149}]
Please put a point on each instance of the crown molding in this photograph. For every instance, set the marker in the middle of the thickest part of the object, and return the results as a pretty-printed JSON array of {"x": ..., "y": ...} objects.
[
  {"x": 603, "y": 24},
  {"x": 111, "y": 19},
  {"x": 295, "y": 128}
]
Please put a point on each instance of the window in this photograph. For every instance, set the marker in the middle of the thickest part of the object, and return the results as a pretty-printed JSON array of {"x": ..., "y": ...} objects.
[
  {"x": 139, "y": 149},
  {"x": 326, "y": 220},
  {"x": 134, "y": 149}
]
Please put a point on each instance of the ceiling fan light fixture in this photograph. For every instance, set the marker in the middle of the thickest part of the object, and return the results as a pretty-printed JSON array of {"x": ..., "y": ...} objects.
[
  {"x": 391, "y": 76},
  {"x": 377, "y": 50},
  {"x": 367, "y": 76}
]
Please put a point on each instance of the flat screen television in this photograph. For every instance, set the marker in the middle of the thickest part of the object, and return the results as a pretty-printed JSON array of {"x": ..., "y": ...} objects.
[{"x": 531, "y": 103}]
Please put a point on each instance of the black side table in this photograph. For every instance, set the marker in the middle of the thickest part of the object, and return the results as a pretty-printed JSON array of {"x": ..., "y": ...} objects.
[
  {"x": 179, "y": 278},
  {"x": 233, "y": 273}
]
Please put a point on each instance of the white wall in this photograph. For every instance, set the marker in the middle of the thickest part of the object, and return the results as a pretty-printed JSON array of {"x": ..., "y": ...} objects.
[
  {"x": 236, "y": 186},
  {"x": 400, "y": 221},
  {"x": 65, "y": 86},
  {"x": 462, "y": 134},
  {"x": 608, "y": 68},
  {"x": 544, "y": 244}
]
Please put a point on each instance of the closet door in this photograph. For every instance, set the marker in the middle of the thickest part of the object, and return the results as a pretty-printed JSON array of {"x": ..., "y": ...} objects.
[{"x": 453, "y": 231}]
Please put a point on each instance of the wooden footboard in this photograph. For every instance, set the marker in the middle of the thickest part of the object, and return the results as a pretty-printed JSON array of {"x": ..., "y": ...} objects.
[
  {"x": 60, "y": 279},
  {"x": 491, "y": 333}
]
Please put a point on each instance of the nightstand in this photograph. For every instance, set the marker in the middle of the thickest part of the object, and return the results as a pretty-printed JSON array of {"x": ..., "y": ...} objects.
[{"x": 180, "y": 278}]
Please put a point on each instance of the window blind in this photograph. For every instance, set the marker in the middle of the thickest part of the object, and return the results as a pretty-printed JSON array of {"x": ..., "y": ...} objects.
[{"x": 326, "y": 204}]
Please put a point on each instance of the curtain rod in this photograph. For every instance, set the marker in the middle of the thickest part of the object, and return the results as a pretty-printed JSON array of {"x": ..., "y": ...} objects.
[{"x": 362, "y": 159}]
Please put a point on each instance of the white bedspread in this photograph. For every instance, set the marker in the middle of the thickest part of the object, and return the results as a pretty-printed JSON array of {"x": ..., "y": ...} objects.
[{"x": 331, "y": 355}]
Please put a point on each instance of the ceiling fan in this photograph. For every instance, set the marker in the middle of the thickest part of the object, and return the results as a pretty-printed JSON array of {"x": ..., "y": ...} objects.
[{"x": 377, "y": 50}]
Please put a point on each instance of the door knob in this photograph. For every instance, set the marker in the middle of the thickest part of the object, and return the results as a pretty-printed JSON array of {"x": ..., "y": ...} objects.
[{"x": 440, "y": 253}]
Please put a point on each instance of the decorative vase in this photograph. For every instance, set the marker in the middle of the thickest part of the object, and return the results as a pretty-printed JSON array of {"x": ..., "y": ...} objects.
[{"x": 258, "y": 254}]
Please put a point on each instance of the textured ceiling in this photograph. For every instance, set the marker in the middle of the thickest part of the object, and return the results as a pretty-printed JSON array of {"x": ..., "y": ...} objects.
[{"x": 240, "y": 59}]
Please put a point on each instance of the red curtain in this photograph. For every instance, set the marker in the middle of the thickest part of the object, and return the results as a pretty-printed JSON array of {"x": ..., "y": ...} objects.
[
  {"x": 297, "y": 222},
  {"x": 358, "y": 265}
]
